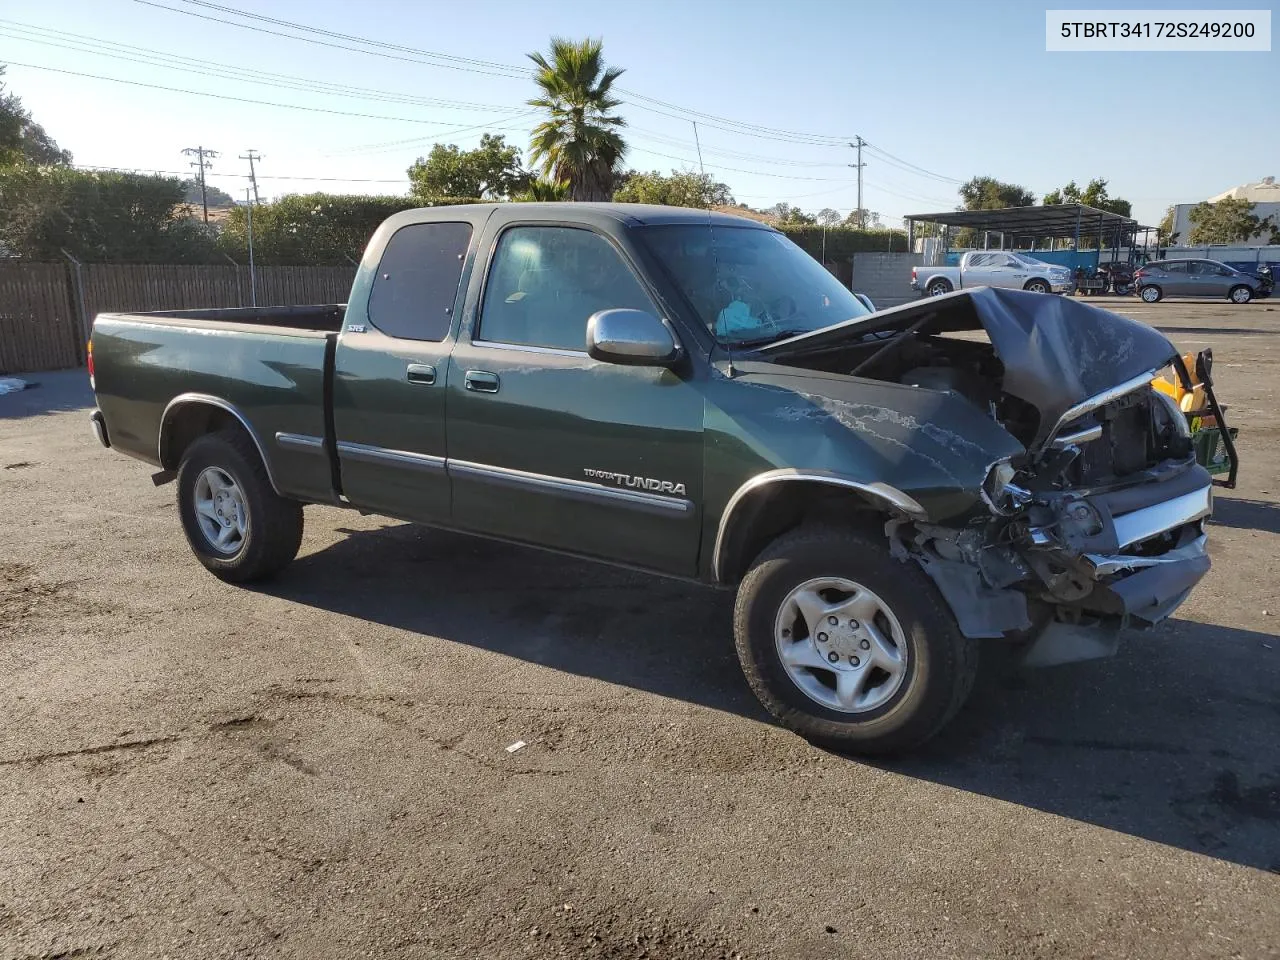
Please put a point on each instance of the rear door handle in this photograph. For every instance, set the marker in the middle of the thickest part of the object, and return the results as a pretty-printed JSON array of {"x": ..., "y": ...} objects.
[
  {"x": 482, "y": 381},
  {"x": 422, "y": 373}
]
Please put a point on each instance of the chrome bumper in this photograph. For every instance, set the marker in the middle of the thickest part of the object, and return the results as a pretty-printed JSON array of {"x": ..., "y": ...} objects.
[{"x": 1151, "y": 521}]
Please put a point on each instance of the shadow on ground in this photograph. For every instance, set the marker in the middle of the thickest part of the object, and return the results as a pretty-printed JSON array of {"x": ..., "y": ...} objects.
[
  {"x": 55, "y": 391},
  {"x": 1246, "y": 514},
  {"x": 1177, "y": 740}
]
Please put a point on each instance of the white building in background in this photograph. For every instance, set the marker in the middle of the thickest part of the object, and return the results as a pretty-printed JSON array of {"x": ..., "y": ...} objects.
[{"x": 1264, "y": 195}]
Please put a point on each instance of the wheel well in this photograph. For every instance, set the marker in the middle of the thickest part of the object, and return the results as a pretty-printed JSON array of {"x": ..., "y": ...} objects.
[
  {"x": 771, "y": 510},
  {"x": 187, "y": 424},
  {"x": 1240, "y": 286},
  {"x": 933, "y": 282},
  {"x": 1039, "y": 280}
]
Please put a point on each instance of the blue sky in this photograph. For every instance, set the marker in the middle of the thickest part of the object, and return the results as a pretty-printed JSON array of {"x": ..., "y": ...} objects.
[{"x": 955, "y": 89}]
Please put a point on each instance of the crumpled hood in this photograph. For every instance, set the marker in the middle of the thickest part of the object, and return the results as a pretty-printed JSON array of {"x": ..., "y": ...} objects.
[{"x": 1056, "y": 351}]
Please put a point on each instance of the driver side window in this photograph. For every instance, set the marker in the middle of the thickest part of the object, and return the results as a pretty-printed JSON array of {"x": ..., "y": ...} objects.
[{"x": 545, "y": 282}]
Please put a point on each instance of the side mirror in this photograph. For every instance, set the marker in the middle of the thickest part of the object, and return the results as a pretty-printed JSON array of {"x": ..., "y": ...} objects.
[{"x": 632, "y": 338}]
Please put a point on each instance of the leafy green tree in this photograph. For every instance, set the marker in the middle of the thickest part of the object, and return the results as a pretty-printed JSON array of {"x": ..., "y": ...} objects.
[
  {"x": 829, "y": 217},
  {"x": 101, "y": 217},
  {"x": 1093, "y": 195},
  {"x": 786, "y": 213},
  {"x": 862, "y": 219},
  {"x": 1228, "y": 221},
  {"x": 22, "y": 140},
  {"x": 492, "y": 171},
  {"x": 579, "y": 143},
  {"x": 1164, "y": 232},
  {"x": 313, "y": 228},
  {"x": 681, "y": 189},
  {"x": 988, "y": 193},
  {"x": 543, "y": 191}
]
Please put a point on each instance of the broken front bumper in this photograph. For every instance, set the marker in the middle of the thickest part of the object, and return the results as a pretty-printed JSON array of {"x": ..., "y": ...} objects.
[{"x": 1091, "y": 566}]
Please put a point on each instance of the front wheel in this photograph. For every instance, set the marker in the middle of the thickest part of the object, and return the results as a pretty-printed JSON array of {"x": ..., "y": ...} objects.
[
  {"x": 1150, "y": 294},
  {"x": 847, "y": 646},
  {"x": 1037, "y": 286},
  {"x": 1240, "y": 294},
  {"x": 238, "y": 527}
]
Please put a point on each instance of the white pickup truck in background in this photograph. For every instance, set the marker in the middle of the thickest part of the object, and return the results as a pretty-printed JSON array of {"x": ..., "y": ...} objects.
[{"x": 993, "y": 268}]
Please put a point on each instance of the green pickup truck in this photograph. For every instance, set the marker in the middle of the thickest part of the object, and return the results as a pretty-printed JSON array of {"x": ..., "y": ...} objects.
[{"x": 692, "y": 395}]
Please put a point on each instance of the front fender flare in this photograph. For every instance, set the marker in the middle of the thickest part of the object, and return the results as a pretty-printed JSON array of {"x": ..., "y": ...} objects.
[{"x": 881, "y": 494}]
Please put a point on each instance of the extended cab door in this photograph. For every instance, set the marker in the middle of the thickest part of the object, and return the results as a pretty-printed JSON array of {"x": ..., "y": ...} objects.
[
  {"x": 551, "y": 447},
  {"x": 391, "y": 369}
]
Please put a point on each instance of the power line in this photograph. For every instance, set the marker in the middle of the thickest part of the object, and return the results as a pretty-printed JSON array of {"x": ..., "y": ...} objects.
[
  {"x": 239, "y": 176},
  {"x": 322, "y": 43},
  {"x": 134, "y": 54},
  {"x": 261, "y": 103},
  {"x": 450, "y": 61},
  {"x": 912, "y": 167}
]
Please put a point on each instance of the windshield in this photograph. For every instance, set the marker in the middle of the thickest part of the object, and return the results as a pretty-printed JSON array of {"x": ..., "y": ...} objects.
[
  {"x": 1031, "y": 261},
  {"x": 750, "y": 285}
]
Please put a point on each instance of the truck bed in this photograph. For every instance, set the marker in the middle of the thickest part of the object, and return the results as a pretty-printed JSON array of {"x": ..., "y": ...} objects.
[
  {"x": 274, "y": 364},
  {"x": 320, "y": 318}
]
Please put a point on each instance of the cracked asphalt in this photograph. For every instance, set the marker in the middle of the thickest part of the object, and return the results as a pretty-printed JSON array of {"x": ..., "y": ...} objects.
[{"x": 318, "y": 768}]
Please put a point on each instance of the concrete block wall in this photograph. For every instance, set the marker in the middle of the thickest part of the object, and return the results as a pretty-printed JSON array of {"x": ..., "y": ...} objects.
[{"x": 885, "y": 277}]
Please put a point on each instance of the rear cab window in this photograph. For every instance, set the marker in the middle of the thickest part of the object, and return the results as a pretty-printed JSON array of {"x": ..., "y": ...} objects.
[{"x": 416, "y": 286}]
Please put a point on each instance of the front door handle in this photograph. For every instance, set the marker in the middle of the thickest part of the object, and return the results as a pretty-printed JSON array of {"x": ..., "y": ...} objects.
[
  {"x": 422, "y": 373},
  {"x": 481, "y": 381}
]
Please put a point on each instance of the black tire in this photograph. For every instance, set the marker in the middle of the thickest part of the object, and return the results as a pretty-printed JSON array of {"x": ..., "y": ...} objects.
[
  {"x": 1150, "y": 293},
  {"x": 938, "y": 287},
  {"x": 1240, "y": 294},
  {"x": 1037, "y": 286},
  {"x": 274, "y": 524},
  {"x": 941, "y": 663}
]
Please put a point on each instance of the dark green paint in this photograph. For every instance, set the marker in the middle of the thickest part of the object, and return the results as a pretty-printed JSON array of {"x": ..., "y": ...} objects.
[{"x": 702, "y": 424}]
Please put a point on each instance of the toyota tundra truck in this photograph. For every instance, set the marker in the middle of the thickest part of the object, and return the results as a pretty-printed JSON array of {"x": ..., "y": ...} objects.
[{"x": 690, "y": 394}]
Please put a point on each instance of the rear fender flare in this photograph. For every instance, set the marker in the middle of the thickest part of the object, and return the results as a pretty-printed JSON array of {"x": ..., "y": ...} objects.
[{"x": 184, "y": 401}]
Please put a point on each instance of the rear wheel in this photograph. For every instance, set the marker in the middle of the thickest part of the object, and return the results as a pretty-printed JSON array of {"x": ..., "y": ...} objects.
[
  {"x": 938, "y": 287},
  {"x": 238, "y": 527},
  {"x": 1037, "y": 286},
  {"x": 1240, "y": 294},
  {"x": 1150, "y": 294},
  {"x": 846, "y": 646}
]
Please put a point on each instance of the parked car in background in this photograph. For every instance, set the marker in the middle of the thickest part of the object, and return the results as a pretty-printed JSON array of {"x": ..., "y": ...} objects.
[
  {"x": 1198, "y": 278},
  {"x": 993, "y": 268}
]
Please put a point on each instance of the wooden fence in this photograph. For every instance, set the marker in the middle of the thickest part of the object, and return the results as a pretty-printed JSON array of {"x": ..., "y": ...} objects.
[
  {"x": 39, "y": 327},
  {"x": 46, "y": 308}
]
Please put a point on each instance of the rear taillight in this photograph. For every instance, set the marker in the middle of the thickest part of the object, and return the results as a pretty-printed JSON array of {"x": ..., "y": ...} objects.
[
  {"x": 88, "y": 352},
  {"x": 913, "y": 273}
]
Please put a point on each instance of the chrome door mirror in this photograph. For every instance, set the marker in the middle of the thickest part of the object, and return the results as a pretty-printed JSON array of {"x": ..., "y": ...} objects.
[{"x": 632, "y": 338}]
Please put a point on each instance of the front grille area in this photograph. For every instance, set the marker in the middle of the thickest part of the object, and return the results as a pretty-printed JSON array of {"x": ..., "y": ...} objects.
[{"x": 1128, "y": 442}]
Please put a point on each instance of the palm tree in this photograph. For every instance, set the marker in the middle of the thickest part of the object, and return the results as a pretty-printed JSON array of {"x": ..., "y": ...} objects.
[{"x": 579, "y": 143}]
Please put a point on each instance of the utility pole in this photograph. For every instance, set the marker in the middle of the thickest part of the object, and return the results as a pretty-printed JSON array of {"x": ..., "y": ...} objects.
[
  {"x": 253, "y": 280},
  {"x": 862, "y": 216},
  {"x": 251, "y": 156},
  {"x": 202, "y": 164}
]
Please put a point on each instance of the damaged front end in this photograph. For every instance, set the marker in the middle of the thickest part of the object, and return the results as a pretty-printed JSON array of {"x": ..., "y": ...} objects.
[{"x": 1098, "y": 523}]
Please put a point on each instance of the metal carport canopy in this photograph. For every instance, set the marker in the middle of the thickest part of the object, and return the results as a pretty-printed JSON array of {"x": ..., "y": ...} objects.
[{"x": 1049, "y": 220}]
